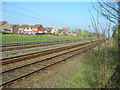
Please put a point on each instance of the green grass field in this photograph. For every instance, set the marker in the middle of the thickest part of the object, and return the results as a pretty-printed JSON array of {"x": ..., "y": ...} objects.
[{"x": 12, "y": 38}]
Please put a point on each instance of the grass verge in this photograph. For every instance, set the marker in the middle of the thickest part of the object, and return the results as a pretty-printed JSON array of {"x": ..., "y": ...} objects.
[
  {"x": 14, "y": 38},
  {"x": 96, "y": 71}
]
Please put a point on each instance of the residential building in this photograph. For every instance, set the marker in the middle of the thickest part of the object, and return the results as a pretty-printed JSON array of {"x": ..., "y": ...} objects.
[
  {"x": 67, "y": 32},
  {"x": 58, "y": 32},
  {"x": 32, "y": 29},
  {"x": 4, "y": 26},
  {"x": 21, "y": 28},
  {"x": 28, "y": 29},
  {"x": 14, "y": 28},
  {"x": 51, "y": 30},
  {"x": 40, "y": 29}
]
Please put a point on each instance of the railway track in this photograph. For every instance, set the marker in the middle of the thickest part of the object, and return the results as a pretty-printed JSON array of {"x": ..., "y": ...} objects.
[
  {"x": 36, "y": 54},
  {"x": 18, "y": 46},
  {"x": 17, "y": 73}
]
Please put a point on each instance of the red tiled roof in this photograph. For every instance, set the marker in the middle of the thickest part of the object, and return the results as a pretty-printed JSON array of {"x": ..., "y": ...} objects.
[
  {"x": 3, "y": 22},
  {"x": 23, "y": 26},
  {"x": 75, "y": 33},
  {"x": 37, "y": 26},
  {"x": 13, "y": 26},
  {"x": 65, "y": 30},
  {"x": 40, "y": 30},
  {"x": 30, "y": 26},
  {"x": 49, "y": 28},
  {"x": 43, "y": 28}
]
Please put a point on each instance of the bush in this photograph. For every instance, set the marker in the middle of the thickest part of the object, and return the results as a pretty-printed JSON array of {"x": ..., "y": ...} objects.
[
  {"x": 43, "y": 33},
  {"x": 97, "y": 70},
  {"x": 3, "y": 32}
]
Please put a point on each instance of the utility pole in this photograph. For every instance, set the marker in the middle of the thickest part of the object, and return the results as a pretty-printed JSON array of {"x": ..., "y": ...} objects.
[
  {"x": 119, "y": 27},
  {"x": 90, "y": 33},
  {"x": 82, "y": 33}
]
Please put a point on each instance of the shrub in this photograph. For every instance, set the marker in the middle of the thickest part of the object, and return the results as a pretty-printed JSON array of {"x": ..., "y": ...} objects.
[
  {"x": 43, "y": 33},
  {"x": 96, "y": 70}
]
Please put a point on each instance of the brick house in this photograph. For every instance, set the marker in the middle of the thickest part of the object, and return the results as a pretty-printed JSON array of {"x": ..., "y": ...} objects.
[
  {"x": 5, "y": 26},
  {"x": 14, "y": 28}
]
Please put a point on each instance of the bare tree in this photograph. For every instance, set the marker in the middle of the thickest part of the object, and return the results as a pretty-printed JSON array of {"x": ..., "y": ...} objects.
[{"x": 111, "y": 11}]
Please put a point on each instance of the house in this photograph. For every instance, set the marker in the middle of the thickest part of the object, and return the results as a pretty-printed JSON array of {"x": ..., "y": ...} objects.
[
  {"x": 73, "y": 33},
  {"x": 58, "y": 32},
  {"x": 4, "y": 26},
  {"x": 43, "y": 30},
  {"x": 28, "y": 29},
  {"x": 32, "y": 29},
  {"x": 14, "y": 28},
  {"x": 51, "y": 30},
  {"x": 36, "y": 27},
  {"x": 40, "y": 29},
  {"x": 65, "y": 32},
  {"x": 21, "y": 28}
]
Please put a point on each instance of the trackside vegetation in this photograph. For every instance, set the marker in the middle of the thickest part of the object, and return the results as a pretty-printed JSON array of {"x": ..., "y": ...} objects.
[{"x": 96, "y": 71}]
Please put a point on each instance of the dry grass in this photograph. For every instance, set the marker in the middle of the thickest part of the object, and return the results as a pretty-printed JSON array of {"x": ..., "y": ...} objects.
[{"x": 96, "y": 70}]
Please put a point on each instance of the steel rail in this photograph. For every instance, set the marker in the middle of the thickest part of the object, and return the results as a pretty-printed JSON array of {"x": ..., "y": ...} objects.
[
  {"x": 9, "y": 47},
  {"x": 36, "y": 54},
  {"x": 39, "y": 61}
]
